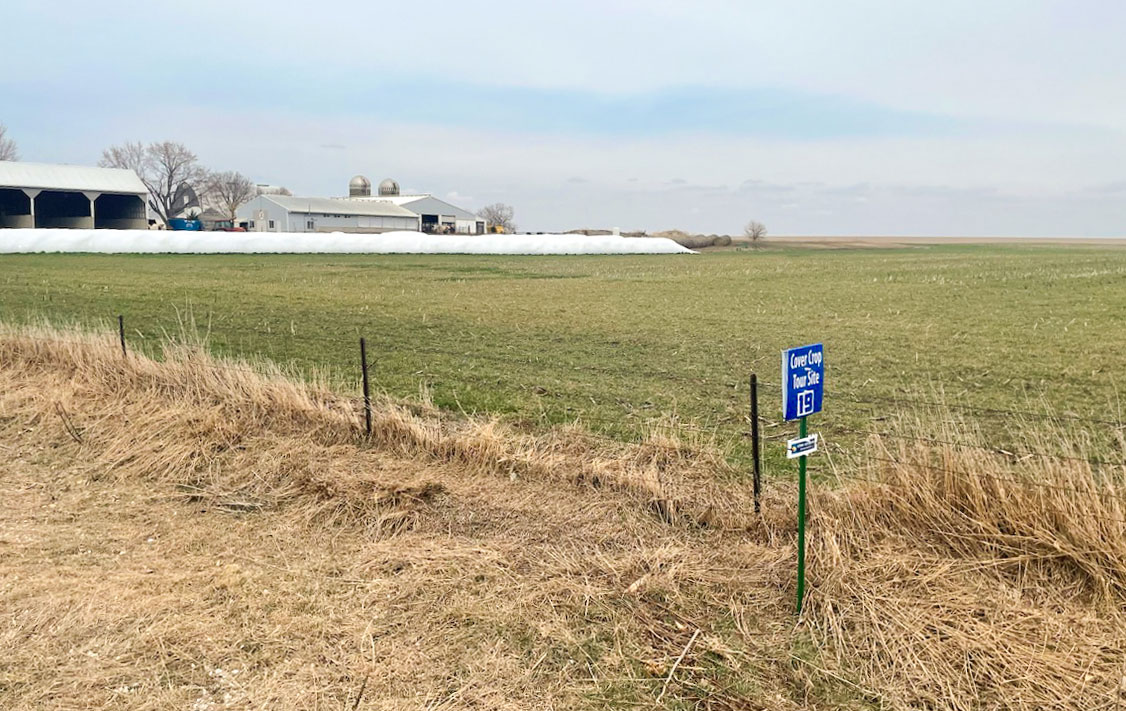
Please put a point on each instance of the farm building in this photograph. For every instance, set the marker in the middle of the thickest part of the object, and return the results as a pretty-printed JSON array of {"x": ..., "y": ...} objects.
[
  {"x": 75, "y": 196},
  {"x": 285, "y": 213},
  {"x": 435, "y": 216}
]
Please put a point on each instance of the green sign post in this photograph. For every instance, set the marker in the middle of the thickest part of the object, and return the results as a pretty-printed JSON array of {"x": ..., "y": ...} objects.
[
  {"x": 803, "y": 383},
  {"x": 801, "y": 519}
]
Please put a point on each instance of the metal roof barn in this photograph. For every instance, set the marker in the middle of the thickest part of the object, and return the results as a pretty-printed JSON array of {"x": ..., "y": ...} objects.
[
  {"x": 71, "y": 196},
  {"x": 436, "y": 216},
  {"x": 283, "y": 213}
]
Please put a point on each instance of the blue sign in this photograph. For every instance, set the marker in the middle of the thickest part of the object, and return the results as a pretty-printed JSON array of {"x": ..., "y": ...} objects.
[{"x": 803, "y": 381}]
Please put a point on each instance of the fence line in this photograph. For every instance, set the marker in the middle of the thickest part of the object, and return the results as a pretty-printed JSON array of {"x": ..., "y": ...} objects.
[
  {"x": 361, "y": 405},
  {"x": 873, "y": 400},
  {"x": 112, "y": 341},
  {"x": 880, "y": 400},
  {"x": 625, "y": 372},
  {"x": 716, "y": 430},
  {"x": 854, "y": 398},
  {"x": 495, "y": 356},
  {"x": 984, "y": 448},
  {"x": 847, "y": 397}
]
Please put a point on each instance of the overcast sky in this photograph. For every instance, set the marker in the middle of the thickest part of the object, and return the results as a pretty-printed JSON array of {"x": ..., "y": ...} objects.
[{"x": 961, "y": 117}]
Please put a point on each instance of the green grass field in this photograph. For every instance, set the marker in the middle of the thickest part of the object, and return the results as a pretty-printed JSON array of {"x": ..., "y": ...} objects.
[{"x": 618, "y": 341}]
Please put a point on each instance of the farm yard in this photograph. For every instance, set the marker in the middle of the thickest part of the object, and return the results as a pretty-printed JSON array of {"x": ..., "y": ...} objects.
[{"x": 554, "y": 508}]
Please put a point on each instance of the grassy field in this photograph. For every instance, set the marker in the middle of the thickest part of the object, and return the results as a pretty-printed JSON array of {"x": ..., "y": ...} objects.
[{"x": 617, "y": 341}]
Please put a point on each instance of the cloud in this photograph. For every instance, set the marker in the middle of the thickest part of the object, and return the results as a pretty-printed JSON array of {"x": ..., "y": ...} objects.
[
  {"x": 1006, "y": 59},
  {"x": 767, "y": 112},
  {"x": 1016, "y": 128},
  {"x": 912, "y": 186}
]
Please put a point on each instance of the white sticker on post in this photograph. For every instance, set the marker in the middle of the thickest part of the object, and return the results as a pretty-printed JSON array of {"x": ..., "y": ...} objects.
[{"x": 800, "y": 447}]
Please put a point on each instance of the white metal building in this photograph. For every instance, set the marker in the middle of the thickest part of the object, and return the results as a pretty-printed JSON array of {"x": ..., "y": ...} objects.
[
  {"x": 75, "y": 196},
  {"x": 439, "y": 216},
  {"x": 435, "y": 216},
  {"x": 284, "y": 213}
]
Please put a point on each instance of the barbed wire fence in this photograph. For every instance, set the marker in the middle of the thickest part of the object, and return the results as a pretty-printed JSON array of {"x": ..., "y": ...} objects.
[{"x": 740, "y": 437}]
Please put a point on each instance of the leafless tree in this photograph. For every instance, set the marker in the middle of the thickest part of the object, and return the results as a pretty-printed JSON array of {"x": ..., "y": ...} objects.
[
  {"x": 168, "y": 169},
  {"x": 133, "y": 156},
  {"x": 754, "y": 231},
  {"x": 499, "y": 215},
  {"x": 7, "y": 146},
  {"x": 228, "y": 190}
]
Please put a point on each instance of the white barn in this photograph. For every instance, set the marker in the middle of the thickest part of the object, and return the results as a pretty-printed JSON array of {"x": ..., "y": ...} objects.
[
  {"x": 71, "y": 196},
  {"x": 285, "y": 213},
  {"x": 436, "y": 216}
]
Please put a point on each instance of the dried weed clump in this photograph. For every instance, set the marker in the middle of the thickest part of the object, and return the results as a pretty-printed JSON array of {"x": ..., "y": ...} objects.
[{"x": 957, "y": 576}]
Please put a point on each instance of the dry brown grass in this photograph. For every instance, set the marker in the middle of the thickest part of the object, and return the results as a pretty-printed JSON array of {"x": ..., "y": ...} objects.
[
  {"x": 167, "y": 523},
  {"x": 186, "y": 533},
  {"x": 962, "y": 579}
]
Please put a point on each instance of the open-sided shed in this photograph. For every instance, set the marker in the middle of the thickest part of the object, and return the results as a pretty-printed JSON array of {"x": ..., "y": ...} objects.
[{"x": 77, "y": 196}]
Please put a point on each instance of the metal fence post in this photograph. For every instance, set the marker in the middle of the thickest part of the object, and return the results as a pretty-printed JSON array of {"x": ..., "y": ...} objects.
[
  {"x": 367, "y": 391},
  {"x": 121, "y": 333},
  {"x": 756, "y": 453}
]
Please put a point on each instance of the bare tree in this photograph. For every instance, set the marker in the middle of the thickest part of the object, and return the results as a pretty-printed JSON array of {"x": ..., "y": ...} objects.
[
  {"x": 7, "y": 146},
  {"x": 133, "y": 156},
  {"x": 168, "y": 169},
  {"x": 499, "y": 215},
  {"x": 227, "y": 191},
  {"x": 754, "y": 231}
]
